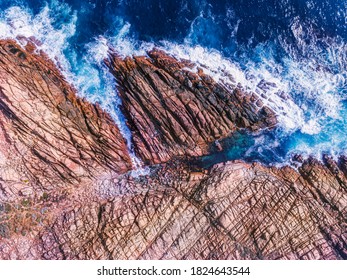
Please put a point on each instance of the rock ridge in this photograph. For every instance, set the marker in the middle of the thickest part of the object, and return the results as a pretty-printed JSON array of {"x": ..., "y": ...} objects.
[{"x": 173, "y": 112}]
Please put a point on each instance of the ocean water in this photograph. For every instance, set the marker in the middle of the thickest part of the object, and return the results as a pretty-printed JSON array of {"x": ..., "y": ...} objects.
[{"x": 292, "y": 53}]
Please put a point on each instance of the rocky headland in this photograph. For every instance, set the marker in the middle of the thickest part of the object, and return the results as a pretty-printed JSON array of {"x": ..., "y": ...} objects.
[{"x": 66, "y": 190}]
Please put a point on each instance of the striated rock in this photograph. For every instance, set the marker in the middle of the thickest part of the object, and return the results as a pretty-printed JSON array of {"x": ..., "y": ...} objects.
[
  {"x": 65, "y": 192},
  {"x": 51, "y": 142},
  {"x": 174, "y": 112},
  {"x": 43, "y": 120},
  {"x": 233, "y": 211}
]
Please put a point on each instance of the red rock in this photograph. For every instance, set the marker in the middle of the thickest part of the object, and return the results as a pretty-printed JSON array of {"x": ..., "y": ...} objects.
[{"x": 173, "y": 112}]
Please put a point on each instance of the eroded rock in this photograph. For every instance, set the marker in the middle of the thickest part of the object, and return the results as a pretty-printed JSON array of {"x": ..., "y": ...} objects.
[
  {"x": 65, "y": 192},
  {"x": 233, "y": 211},
  {"x": 51, "y": 142},
  {"x": 173, "y": 112}
]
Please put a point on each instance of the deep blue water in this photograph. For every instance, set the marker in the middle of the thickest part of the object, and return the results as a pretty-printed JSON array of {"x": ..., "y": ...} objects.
[
  {"x": 206, "y": 22},
  {"x": 296, "y": 46}
]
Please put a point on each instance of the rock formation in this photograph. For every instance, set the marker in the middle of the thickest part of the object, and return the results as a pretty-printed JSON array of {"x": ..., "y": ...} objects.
[
  {"x": 233, "y": 211},
  {"x": 174, "y": 112},
  {"x": 66, "y": 193},
  {"x": 50, "y": 122}
]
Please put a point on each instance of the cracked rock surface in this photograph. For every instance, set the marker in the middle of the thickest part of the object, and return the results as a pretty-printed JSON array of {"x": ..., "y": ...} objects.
[
  {"x": 66, "y": 191},
  {"x": 174, "y": 112},
  {"x": 233, "y": 211}
]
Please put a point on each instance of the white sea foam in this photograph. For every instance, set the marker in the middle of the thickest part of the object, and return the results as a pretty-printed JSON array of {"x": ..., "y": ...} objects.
[
  {"x": 16, "y": 22},
  {"x": 107, "y": 96}
]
